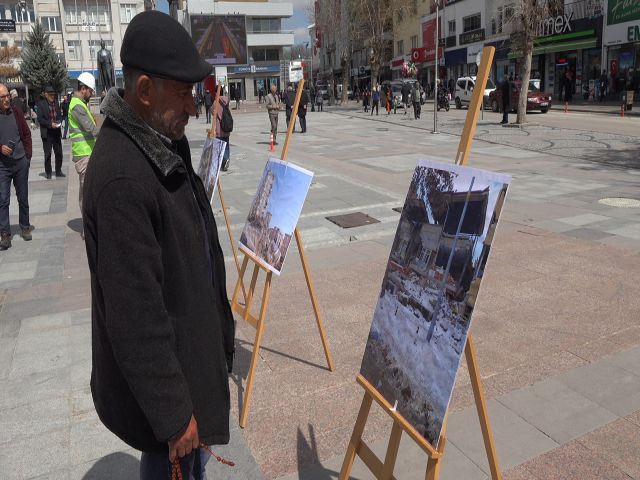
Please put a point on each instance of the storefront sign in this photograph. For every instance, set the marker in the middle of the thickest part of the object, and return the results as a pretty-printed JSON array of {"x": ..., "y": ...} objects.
[
  {"x": 418, "y": 55},
  {"x": 621, "y": 11},
  {"x": 472, "y": 36},
  {"x": 7, "y": 25},
  {"x": 555, "y": 25},
  {"x": 429, "y": 40},
  {"x": 633, "y": 33},
  {"x": 624, "y": 33},
  {"x": 255, "y": 69}
]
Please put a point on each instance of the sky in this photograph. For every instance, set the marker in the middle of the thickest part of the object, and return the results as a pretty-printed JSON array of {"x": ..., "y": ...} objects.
[{"x": 298, "y": 23}]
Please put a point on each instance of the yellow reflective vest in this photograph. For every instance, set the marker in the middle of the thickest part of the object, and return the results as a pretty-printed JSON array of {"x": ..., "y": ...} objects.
[{"x": 82, "y": 142}]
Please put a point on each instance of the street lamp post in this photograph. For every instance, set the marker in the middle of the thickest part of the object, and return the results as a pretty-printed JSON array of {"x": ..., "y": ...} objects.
[
  {"x": 435, "y": 89},
  {"x": 22, "y": 4}
]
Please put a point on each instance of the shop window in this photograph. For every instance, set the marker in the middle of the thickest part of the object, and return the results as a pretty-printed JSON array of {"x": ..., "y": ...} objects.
[
  {"x": 74, "y": 50},
  {"x": 400, "y": 48},
  {"x": 452, "y": 27},
  {"x": 470, "y": 23}
]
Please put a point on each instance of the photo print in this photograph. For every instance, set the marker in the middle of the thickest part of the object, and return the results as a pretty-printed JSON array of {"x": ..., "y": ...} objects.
[
  {"x": 439, "y": 256},
  {"x": 210, "y": 163},
  {"x": 274, "y": 212}
]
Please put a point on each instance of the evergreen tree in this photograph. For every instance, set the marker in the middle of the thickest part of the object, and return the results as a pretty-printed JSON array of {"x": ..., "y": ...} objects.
[{"x": 40, "y": 64}]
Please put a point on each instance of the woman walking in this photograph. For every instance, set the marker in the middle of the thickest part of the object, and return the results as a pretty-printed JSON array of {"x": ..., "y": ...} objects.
[{"x": 388, "y": 98}]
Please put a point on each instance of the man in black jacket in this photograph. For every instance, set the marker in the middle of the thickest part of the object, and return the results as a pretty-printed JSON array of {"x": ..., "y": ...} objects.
[
  {"x": 50, "y": 120},
  {"x": 208, "y": 102},
  {"x": 505, "y": 93},
  {"x": 163, "y": 331}
]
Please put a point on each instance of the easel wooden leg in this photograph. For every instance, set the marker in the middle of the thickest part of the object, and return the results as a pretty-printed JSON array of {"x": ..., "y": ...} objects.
[
  {"x": 236, "y": 290},
  {"x": 481, "y": 405},
  {"x": 252, "y": 288},
  {"x": 434, "y": 463},
  {"x": 256, "y": 346},
  {"x": 392, "y": 452},
  {"x": 356, "y": 436},
  {"x": 233, "y": 244},
  {"x": 314, "y": 301}
]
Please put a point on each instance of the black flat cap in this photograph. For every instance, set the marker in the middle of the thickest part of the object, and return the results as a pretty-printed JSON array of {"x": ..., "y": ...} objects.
[
  {"x": 49, "y": 89},
  {"x": 157, "y": 44}
]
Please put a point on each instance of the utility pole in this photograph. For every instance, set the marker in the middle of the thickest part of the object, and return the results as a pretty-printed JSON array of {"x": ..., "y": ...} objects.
[
  {"x": 435, "y": 89},
  {"x": 23, "y": 7}
]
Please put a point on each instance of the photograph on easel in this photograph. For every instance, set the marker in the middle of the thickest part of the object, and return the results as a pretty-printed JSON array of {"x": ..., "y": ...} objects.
[
  {"x": 274, "y": 212},
  {"x": 439, "y": 255},
  {"x": 210, "y": 162}
]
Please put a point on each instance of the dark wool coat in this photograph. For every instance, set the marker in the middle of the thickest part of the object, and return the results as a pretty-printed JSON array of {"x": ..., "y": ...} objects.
[
  {"x": 162, "y": 327},
  {"x": 505, "y": 92}
]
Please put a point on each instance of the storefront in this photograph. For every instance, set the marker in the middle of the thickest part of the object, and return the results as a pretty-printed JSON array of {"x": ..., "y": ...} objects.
[
  {"x": 622, "y": 45},
  {"x": 249, "y": 79},
  {"x": 474, "y": 41},
  {"x": 455, "y": 63},
  {"x": 502, "y": 65}
]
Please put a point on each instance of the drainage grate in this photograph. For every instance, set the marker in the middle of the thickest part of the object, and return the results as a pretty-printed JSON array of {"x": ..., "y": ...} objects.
[
  {"x": 350, "y": 220},
  {"x": 620, "y": 202}
]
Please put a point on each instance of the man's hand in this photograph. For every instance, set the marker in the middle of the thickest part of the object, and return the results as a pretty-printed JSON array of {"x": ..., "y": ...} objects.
[
  {"x": 6, "y": 151},
  {"x": 183, "y": 443}
]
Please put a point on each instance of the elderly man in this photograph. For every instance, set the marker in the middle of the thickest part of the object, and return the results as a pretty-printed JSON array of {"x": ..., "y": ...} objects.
[
  {"x": 50, "y": 120},
  {"x": 273, "y": 108},
  {"x": 15, "y": 159},
  {"x": 163, "y": 331}
]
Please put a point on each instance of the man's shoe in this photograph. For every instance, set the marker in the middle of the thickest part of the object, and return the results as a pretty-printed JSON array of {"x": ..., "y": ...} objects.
[
  {"x": 25, "y": 233},
  {"x": 48, "y": 175},
  {"x": 60, "y": 175},
  {"x": 5, "y": 241}
]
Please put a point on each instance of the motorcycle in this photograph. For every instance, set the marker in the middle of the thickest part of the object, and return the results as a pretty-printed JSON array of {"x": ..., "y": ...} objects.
[{"x": 443, "y": 100}]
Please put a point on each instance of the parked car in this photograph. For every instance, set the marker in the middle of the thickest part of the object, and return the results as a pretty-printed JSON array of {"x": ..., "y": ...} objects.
[
  {"x": 536, "y": 99},
  {"x": 464, "y": 89}
]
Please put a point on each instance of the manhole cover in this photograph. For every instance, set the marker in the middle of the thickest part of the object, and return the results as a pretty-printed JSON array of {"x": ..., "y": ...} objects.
[
  {"x": 350, "y": 220},
  {"x": 620, "y": 202}
]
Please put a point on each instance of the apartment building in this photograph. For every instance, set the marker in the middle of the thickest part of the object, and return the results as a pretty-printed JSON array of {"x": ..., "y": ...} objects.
[
  {"x": 265, "y": 42},
  {"x": 76, "y": 28}
]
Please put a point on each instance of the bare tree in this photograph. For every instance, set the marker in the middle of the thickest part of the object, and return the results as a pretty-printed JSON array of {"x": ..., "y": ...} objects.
[{"x": 527, "y": 18}]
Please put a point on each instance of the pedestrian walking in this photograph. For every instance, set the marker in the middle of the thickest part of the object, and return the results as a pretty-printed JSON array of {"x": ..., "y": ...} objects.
[
  {"x": 15, "y": 160},
  {"x": 604, "y": 83},
  {"x": 50, "y": 118},
  {"x": 415, "y": 97},
  {"x": 224, "y": 119},
  {"x": 406, "y": 91},
  {"x": 366, "y": 96},
  {"x": 162, "y": 328},
  {"x": 387, "y": 97},
  {"x": 237, "y": 96},
  {"x": 18, "y": 102},
  {"x": 289, "y": 100},
  {"x": 260, "y": 94},
  {"x": 83, "y": 129},
  {"x": 208, "y": 101},
  {"x": 505, "y": 94},
  {"x": 375, "y": 99},
  {"x": 273, "y": 108},
  {"x": 568, "y": 89},
  {"x": 319, "y": 100},
  {"x": 302, "y": 111},
  {"x": 64, "y": 108}
]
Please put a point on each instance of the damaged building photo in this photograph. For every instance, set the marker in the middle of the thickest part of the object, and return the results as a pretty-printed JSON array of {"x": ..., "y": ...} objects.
[{"x": 423, "y": 315}]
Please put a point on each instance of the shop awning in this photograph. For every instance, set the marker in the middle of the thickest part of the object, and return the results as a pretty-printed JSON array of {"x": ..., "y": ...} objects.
[{"x": 560, "y": 47}]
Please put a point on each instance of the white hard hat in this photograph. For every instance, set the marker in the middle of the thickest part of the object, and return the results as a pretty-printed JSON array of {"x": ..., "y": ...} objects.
[{"x": 87, "y": 79}]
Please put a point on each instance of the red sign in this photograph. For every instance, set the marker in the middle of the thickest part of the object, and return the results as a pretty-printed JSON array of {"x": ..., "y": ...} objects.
[
  {"x": 418, "y": 55},
  {"x": 397, "y": 62},
  {"x": 613, "y": 67},
  {"x": 429, "y": 40}
]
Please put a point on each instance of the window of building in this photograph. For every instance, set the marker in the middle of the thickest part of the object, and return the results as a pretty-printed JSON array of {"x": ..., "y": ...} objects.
[
  {"x": 4, "y": 43},
  {"x": 265, "y": 54},
  {"x": 127, "y": 12},
  {"x": 74, "y": 50},
  {"x": 452, "y": 27},
  {"x": 414, "y": 41},
  {"x": 3, "y": 12},
  {"x": 266, "y": 25},
  {"x": 24, "y": 16},
  {"x": 472, "y": 22},
  {"x": 98, "y": 15},
  {"x": 400, "y": 48},
  {"x": 71, "y": 15},
  {"x": 94, "y": 47},
  {"x": 51, "y": 24}
]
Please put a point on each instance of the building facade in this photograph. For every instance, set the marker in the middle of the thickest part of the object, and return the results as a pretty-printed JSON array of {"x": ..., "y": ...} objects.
[
  {"x": 621, "y": 46},
  {"x": 266, "y": 41},
  {"x": 76, "y": 29}
]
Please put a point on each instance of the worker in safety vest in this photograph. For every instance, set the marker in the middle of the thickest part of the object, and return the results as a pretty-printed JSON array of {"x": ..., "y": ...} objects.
[{"x": 82, "y": 126}]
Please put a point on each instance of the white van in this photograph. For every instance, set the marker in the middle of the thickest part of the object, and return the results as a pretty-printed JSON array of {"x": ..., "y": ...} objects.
[{"x": 464, "y": 89}]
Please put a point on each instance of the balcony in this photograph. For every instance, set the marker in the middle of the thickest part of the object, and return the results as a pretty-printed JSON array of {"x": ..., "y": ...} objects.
[
  {"x": 584, "y": 9},
  {"x": 270, "y": 39}
]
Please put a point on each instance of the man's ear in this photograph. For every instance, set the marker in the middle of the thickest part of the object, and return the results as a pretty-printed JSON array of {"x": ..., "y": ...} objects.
[{"x": 145, "y": 90}]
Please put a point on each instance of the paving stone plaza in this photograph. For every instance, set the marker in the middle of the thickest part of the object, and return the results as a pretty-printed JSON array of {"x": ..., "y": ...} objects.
[{"x": 556, "y": 323}]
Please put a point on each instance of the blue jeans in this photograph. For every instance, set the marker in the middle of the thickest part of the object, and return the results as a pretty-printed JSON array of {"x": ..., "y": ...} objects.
[
  {"x": 156, "y": 466},
  {"x": 18, "y": 172}
]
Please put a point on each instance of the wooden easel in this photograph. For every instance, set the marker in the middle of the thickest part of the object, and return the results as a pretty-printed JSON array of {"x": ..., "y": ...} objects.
[
  {"x": 212, "y": 133},
  {"x": 384, "y": 471},
  {"x": 245, "y": 310}
]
